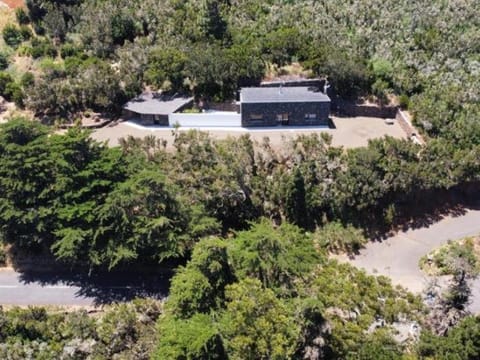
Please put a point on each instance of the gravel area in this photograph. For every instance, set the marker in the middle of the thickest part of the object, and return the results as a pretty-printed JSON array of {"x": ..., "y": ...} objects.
[{"x": 349, "y": 132}]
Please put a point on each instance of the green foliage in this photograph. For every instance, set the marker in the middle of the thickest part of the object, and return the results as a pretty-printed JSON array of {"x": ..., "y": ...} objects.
[
  {"x": 274, "y": 256},
  {"x": 336, "y": 238},
  {"x": 12, "y": 35},
  {"x": 125, "y": 331},
  {"x": 199, "y": 287},
  {"x": 3, "y": 61},
  {"x": 461, "y": 342},
  {"x": 28, "y": 79},
  {"x": 195, "y": 338},
  {"x": 68, "y": 50},
  {"x": 22, "y": 16},
  {"x": 296, "y": 207},
  {"x": 3, "y": 255},
  {"x": 257, "y": 325},
  {"x": 5, "y": 80},
  {"x": 379, "y": 346},
  {"x": 445, "y": 260}
]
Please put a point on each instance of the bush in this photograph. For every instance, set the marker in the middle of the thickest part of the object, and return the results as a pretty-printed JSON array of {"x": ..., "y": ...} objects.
[
  {"x": 5, "y": 79},
  {"x": 3, "y": 256},
  {"x": 42, "y": 48},
  {"x": 22, "y": 16},
  {"x": 404, "y": 102},
  {"x": 68, "y": 50},
  {"x": 337, "y": 238},
  {"x": 39, "y": 29},
  {"x": 12, "y": 35},
  {"x": 26, "y": 32},
  {"x": 3, "y": 61},
  {"x": 27, "y": 79}
]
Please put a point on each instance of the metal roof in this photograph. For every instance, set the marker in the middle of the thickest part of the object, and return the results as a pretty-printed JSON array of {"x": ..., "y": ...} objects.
[
  {"x": 281, "y": 94},
  {"x": 156, "y": 105}
]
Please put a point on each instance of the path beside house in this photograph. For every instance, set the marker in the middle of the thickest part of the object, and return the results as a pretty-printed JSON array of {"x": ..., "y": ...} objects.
[{"x": 397, "y": 257}]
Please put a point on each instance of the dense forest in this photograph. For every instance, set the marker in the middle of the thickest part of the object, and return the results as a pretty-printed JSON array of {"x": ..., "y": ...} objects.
[{"x": 246, "y": 227}]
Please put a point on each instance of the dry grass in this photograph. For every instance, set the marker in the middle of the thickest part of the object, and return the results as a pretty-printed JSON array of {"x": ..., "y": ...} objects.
[
  {"x": 294, "y": 70},
  {"x": 7, "y": 16}
]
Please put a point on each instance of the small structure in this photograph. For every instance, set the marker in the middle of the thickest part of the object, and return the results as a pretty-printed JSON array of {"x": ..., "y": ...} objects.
[
  {"x": 154, "y": 109},
  {"x": 272, "y": 106}
]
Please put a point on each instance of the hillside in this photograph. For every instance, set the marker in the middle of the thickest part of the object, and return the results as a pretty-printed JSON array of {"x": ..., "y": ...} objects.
[{"x": 246, "y": 226}]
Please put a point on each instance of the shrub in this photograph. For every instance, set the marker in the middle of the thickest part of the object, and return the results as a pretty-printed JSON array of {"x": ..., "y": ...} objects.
[
  {"x": 337, "y": 238},
  {"x": 68, "y": 50},
  {"x": 12, "y": 35},
  {"x": 3, "y": 256},
  {"x": 15, "y": 93},
  {"x": 404, "y": 102},
  {"x": 27, "y": 79},
  {"x": 5, "y": 79},
  {"x": 3, "y": 61},
  {"x": 26, "y": 32},
  {"x": 42, "y": 48},
  {"x": 22, "y": 16}
]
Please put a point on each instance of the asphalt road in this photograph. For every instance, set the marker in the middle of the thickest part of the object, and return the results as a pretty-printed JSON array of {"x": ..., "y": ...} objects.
[
  {"x": 76, "y": 290},
  {"x": 397, "y": 257}
]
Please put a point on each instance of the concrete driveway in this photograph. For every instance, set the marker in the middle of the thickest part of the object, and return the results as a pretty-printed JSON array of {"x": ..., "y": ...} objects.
[{"x": 397, "y": 257}]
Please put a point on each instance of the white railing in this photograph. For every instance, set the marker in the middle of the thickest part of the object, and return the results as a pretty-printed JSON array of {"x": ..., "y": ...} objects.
[{"x": 213, "y": 119}]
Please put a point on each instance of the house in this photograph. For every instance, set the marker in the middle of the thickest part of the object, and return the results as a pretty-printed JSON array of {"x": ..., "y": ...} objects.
[
  {"x": 154, "y": 109},
  {"x": 259, "y": 106},
  {"x": 272, "y": 106}
]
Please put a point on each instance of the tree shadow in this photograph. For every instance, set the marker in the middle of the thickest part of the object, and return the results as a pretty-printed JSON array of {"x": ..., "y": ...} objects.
[
  {"x": 431, "y": 209},
  {"x": 103, "y": 287}
]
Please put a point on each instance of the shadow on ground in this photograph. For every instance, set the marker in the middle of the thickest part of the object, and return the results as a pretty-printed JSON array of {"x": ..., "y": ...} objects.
[
  {"x": 105, "y": 288},
  {"x": 433, "y": 207}
]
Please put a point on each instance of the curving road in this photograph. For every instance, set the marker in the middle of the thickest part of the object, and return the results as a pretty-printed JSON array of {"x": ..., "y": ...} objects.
[{"x": 397, "y": 257}]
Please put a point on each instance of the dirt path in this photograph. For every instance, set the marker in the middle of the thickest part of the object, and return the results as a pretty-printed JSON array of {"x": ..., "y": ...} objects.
[
  {"x": 397, "y": 257},
  {"x": 12, "y": 4}
]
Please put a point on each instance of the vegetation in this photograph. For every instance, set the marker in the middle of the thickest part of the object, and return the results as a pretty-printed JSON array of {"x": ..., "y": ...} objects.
[
  {"x": 124, "y": 331},
  {"x": 444, "y": 260},
  {"x": 251, "y": 224},
  {"x": 276, "y": 302}
]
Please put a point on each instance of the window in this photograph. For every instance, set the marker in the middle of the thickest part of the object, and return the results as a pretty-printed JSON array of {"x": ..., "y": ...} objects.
[
  {"x": 282, "y": 119},
  {"x": 256, "y": 116},
  {"x": 310, "y": 116}
]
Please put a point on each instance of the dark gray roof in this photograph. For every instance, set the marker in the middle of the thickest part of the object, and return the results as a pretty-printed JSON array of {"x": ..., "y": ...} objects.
[
  {"x": 281, "y": 94},
  {"x": 156, "y": 105}
]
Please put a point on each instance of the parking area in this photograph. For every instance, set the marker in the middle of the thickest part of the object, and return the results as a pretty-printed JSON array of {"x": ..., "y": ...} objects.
[{"x": 348, "y": 132}]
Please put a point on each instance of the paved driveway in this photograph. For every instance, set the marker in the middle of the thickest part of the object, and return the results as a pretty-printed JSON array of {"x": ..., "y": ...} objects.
[{"x": 397, "y": 257}]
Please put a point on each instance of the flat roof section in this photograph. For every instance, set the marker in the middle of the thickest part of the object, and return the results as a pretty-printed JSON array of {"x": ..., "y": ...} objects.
[
  {"x": 151, "y": 104},
  {"x": 284, "y": 94}
]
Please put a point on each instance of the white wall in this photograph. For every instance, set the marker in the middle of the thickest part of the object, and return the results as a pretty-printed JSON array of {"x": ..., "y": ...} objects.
[{"x": 213, "y": 119}]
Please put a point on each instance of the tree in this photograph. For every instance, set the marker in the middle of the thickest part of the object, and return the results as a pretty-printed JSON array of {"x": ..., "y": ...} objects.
[
  {"x": 274, "y": 256},
  {"x": 295, "y": 203},
  {"x": 200, "y": 286},
  {"x": 257, "y": 325},
  {"x": 194, "y": 338},
  {"x": 461, "y": 342},
  {"x": 26, "y": 177}
]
